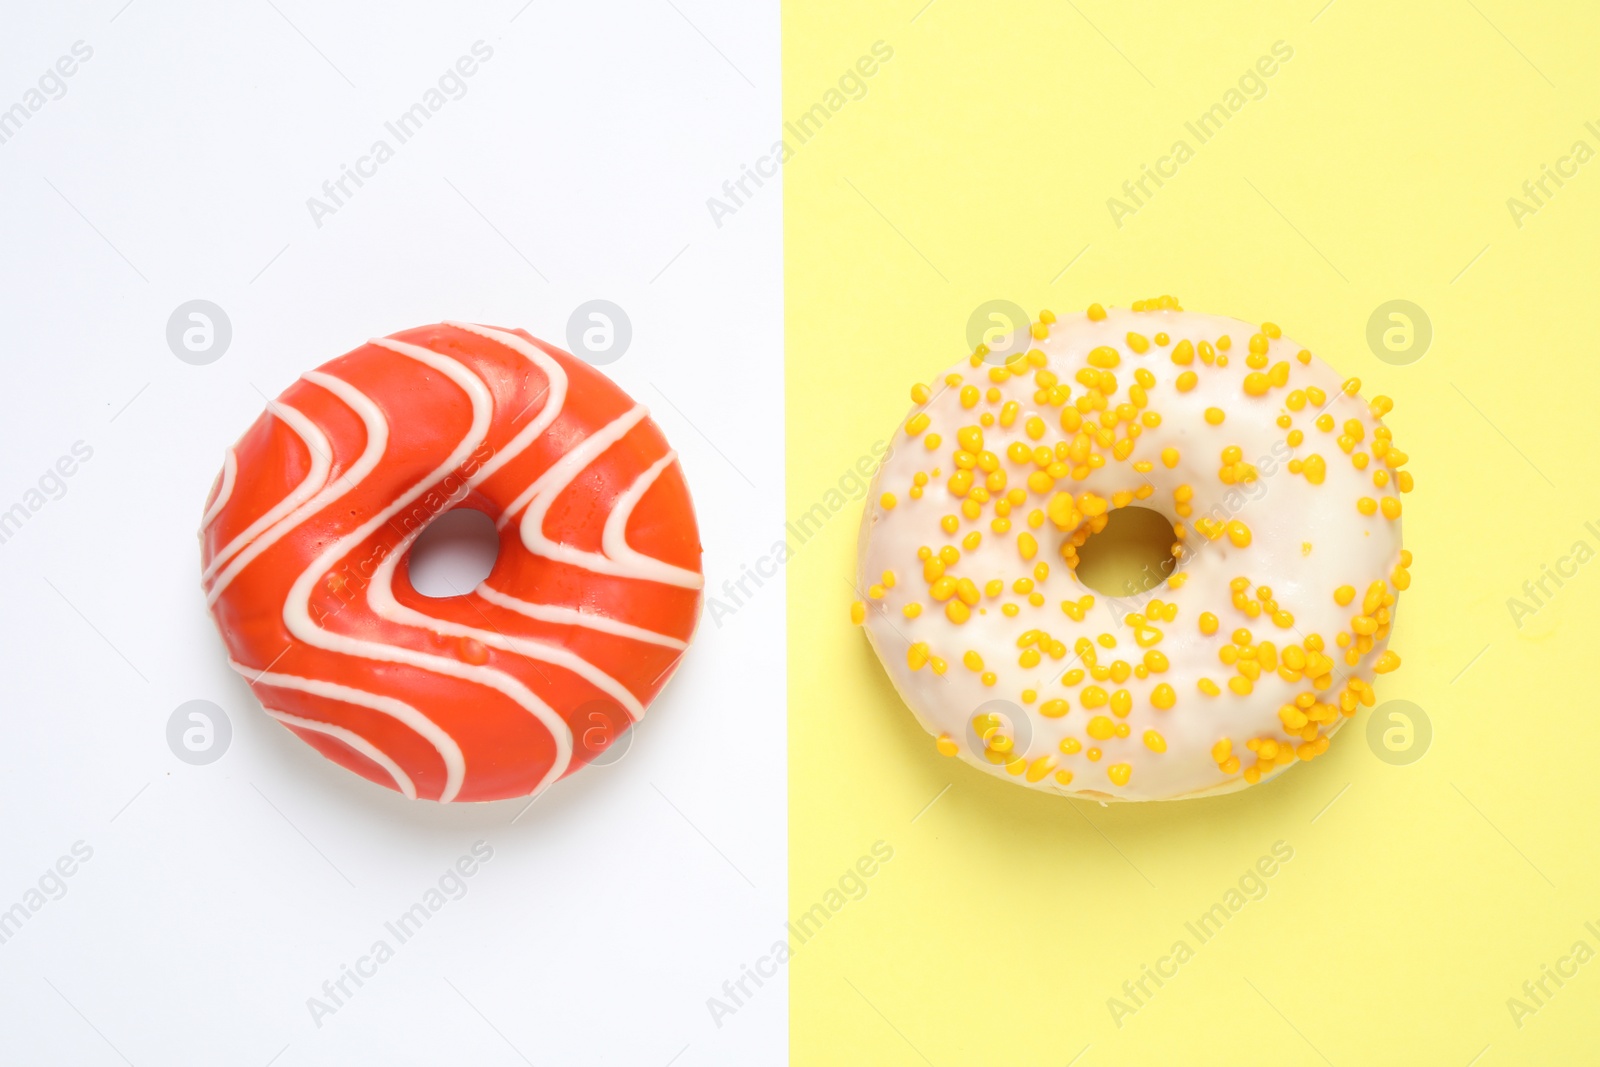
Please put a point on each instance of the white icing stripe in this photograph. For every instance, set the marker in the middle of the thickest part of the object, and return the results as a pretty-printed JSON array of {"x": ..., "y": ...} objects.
[
  {"x": 402, "y": 780},
  {"x": 563, "y": 616},
  {"x": 614, "y": 539},
  {"x": 539, "y": 497},
  {"x": 230, "y": 472},
  {"x": 455, "y": 764},
  {"x": 380, "y": 597},
  {"x": 555, "y": 396},
  {"x": 297, "y": 608},
  {"x": 377, "y": 441},
  {"x": 561, "y": 473},
  {"x": 317, "y": 445}
]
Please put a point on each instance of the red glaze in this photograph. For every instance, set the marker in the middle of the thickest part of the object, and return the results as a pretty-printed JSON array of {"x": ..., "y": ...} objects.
[{"x": 464, "y": 697}]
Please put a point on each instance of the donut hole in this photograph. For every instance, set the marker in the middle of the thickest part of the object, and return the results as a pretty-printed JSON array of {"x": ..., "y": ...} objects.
[
  {"x": 1132, "y": 555},
  {"x": 453, "y": 554}
]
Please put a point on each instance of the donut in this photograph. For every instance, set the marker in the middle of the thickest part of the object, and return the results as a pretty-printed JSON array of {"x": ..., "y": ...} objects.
[
  {"x": 502, "y": 689},
  {"x": 1256, "y": 640}
]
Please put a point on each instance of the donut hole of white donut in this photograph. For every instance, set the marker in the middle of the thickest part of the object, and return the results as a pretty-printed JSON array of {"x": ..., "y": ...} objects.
[
  {"x": 454, "y": 553},
  {"x": 1130, "y": 556}
]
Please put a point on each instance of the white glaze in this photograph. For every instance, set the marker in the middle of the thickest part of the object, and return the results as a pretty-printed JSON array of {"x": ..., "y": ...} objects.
[{"x": 1283, "y": 511}]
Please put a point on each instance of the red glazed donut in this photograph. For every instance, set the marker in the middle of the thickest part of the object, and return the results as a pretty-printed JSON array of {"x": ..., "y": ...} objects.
[{"x": 500, "y": 691}]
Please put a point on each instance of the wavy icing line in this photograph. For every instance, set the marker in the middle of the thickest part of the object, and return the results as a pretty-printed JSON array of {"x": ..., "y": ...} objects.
[
  {"x": 542, "y": 494},
  {"x": 402, "y": 780},
  {"x": 316, "y": 443},
  {"x": 377, "y": 443},
  {"x": 564, "y": 616},
  {"x": 230, "y": 473}
]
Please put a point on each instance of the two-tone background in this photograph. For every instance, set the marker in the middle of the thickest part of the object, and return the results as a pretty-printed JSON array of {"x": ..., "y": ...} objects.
[{"x": 791, "y": 216}]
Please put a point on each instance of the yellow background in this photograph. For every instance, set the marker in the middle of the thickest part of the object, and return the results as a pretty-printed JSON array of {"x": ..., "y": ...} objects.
[{"x": 1377, "y": 167}]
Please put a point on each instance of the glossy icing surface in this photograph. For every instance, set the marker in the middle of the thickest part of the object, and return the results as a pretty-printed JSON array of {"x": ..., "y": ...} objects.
[
  {"x": 505, "y": 688},
  {"x": 1255, "y": 643}
]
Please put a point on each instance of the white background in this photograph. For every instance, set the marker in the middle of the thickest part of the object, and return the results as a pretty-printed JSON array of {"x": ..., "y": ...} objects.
[{"x": 219, "y": 898}]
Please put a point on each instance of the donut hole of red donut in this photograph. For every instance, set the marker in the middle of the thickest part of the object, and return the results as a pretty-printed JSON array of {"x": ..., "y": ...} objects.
[
  {"x": 454, "y": 553},
  {"x": 1131, "y": 556}
]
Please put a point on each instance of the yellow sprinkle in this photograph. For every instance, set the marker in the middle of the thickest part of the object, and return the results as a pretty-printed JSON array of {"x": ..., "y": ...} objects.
[
  {"x": 946, "y": 745},
  {"x": 1215, "y": 416},
  {"x": 1119, "y": 773},
  {"x": 1154, "y": 741},
  {"x": 858, "y": 613},
  {"x": 1040, "y": 767},
  {"x": 1096, "y": 312}
]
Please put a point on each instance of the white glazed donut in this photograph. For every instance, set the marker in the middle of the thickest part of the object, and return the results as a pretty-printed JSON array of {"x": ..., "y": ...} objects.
[{"x": 1283, "y": 487}]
